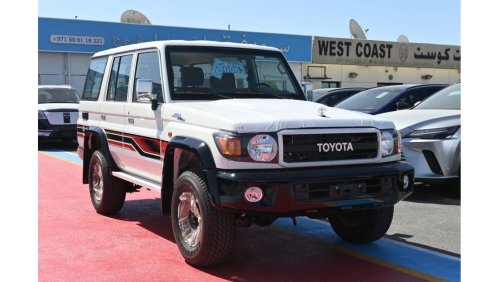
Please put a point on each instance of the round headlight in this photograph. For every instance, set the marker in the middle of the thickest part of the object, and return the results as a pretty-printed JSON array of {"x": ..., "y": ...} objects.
[
  {"x": 387, "y": 144},
  {"x": 262, "y": 148}
]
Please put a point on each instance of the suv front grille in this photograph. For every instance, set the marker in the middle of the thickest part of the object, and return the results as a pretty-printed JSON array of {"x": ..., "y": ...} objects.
[{"x": 329, "y": 147}]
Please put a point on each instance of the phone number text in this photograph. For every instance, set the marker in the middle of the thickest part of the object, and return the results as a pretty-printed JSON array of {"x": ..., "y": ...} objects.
[{"x": 75, "y": 39}]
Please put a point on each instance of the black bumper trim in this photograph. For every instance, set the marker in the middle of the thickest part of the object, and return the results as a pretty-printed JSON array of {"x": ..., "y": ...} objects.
[{"x": 280, "y": 195}]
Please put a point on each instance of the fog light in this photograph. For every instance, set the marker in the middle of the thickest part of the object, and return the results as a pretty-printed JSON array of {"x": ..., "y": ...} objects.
[
  {"x": 406, "y": 181},
  {"x": 253, "y": 194}
]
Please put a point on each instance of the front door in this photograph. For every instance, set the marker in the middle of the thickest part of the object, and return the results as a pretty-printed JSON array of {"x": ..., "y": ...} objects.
[{"x": 143, "y": 125}]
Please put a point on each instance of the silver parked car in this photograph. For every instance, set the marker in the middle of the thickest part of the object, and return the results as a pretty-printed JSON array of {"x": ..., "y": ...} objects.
[{"x": 431, "y": 137}]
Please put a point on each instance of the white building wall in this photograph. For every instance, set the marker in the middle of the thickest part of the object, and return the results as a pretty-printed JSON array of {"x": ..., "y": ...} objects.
[
  {"x": 50, "y": 68},
  {"x": 369, "y": 76},
  {"x": 63, "y": 68},
  {"x": 297, "y": 70}
]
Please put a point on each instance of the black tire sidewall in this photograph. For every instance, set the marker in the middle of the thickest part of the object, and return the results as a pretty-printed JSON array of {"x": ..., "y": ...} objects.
[
  {"x": 218, "y": 226},
  {"x": 187, "y": 183},
  {"x": 98, "y": 157},
  {"x": 370, "y": 226},
  {"x": 113, "y": 194}
]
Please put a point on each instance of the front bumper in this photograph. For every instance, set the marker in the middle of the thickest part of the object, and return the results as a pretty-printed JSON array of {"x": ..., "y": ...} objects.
[
  {"x": 435, "y": 161},
  {"x": 49, "y": 131},
  {"x": 307, "y": 191}
]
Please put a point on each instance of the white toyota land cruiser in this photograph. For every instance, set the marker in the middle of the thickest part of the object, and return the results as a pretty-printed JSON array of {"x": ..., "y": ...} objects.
[{"x": 224, "y": 133}]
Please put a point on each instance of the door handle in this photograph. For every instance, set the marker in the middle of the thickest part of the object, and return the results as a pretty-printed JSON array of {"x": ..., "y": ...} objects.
[
  {"x": 131, "y": 120},
  {"x": 103, "y": 117}
]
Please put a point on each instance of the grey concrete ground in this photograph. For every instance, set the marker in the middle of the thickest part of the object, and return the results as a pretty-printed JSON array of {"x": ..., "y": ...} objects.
[{"x": 429, "y": 218}]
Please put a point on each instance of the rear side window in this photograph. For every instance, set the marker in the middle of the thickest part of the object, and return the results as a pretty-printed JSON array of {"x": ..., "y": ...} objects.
[
  {"x": 93, "y": 80},
  {"x": 148, "y": 67},
  {"x": 118, "y": 81}
]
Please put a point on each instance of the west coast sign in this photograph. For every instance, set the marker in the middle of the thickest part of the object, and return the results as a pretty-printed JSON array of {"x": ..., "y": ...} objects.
[{"x": 327, "y": 50}]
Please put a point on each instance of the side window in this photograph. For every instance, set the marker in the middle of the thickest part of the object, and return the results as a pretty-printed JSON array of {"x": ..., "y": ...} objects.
[
  {"x": 406, "y": 98},
  {"x": 416, "y": 95},
  {"x": 424, "y": 94},
  {"x": 119, "y": 78},
  {"x": 93, "y": 80},
  {"x": 148, "y": 67}
]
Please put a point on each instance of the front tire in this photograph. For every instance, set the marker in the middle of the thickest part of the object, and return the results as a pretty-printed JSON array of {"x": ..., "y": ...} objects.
[
  {"x": 106, "y": 191},
  {"x": 204, "y": 235},
  {"x": 362, "y": 226}
]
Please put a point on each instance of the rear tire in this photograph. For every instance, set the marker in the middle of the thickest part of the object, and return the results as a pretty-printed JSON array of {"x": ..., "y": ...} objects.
[
  {"x": 204, "y": 235},
  {"x": 362, "y": 226},
  {"x": 106, "y": 191}
]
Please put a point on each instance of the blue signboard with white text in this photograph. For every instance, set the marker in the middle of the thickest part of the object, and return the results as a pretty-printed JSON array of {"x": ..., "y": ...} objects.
[{"x": 79, "y": 36}]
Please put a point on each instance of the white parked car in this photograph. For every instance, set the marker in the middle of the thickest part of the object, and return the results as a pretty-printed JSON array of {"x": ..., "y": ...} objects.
[
  {"x": 57, "y": 112},
  {"x": 431, "y": 137}
]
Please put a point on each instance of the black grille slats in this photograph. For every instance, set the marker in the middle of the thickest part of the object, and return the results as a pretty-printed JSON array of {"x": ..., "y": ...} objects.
[{"x": 304, "y": 148}]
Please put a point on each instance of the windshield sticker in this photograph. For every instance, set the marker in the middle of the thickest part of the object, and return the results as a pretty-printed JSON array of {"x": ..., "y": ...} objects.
[
  {"x": 454, "y": 93},
  {"x": 381, "y": 95},
  {"x": 219, "y": 67}
]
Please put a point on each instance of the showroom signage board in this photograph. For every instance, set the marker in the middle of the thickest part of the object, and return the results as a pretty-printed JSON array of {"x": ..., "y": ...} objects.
[{"x": 80, "y": 36}]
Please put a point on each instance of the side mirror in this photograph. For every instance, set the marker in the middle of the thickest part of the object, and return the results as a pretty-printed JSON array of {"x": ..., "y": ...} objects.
[
  {"x": 144, "y": 89},
  {"x": 402, "y": 106}
]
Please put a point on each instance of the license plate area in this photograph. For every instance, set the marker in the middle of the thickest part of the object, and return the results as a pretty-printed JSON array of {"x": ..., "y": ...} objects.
[
  {"x": 66, "y": 117},
  {"x": 349, "y": 188}
]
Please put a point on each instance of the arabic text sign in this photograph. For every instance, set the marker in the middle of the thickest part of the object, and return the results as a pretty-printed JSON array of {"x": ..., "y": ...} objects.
[
  {"x": 63, "y": 35},
  {"x": 384, "y": 53}
]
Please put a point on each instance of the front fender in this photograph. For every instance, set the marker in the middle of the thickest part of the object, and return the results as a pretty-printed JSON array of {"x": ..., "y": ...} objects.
[{"x": 204, "y": 155}]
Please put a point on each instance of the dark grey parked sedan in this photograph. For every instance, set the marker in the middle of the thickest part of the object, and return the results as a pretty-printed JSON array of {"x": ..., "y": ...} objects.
[
  {"x": 389, "y": 98},
  {"x": 334, "y": 96}
]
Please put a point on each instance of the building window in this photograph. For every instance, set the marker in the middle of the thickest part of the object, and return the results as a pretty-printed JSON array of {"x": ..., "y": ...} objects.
[
  {"x": 387, "y": 83},
  {"x": 330, "y": 84}
]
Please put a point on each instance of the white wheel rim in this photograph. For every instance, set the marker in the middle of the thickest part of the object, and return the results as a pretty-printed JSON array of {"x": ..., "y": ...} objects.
[
  {"x": 97, "y": 185},
  {"x": 189, "y": 219}
]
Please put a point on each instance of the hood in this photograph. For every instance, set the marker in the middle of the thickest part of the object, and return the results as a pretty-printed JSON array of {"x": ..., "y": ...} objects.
[
  {"x": 56, "y": 106},
  {"x": 268, "y": 115},
  {"x": 409, "y": 120}
]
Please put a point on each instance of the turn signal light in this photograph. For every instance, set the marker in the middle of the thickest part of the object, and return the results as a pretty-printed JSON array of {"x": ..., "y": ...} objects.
[{"x": 228, "y": 145}]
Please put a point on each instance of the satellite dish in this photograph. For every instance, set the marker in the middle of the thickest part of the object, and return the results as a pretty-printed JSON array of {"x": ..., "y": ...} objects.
[
  {"x": 133, "y": 16},
  {"x": 403, "y": 38},
  {"x": 356, "y": 30}
]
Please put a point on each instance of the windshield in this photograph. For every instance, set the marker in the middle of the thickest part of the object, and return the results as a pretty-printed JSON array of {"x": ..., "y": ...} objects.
[
  {"x": 448, "y": 99},
  {"x": 371, "y": 99},
  {"x": 57, "y": 95},
  {"x": 209, "y": 73}
]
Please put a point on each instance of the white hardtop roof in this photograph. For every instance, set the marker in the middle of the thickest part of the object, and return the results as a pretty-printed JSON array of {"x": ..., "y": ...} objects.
[
  {"x": 56, "y": 86},
  {"x": 162, "y": 44}
]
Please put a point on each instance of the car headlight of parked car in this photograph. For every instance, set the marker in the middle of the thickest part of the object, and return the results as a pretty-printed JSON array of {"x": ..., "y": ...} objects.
[
  {"x": 41, "y": 115},
  {"x": 256, "y": 148},
  {"x": 390, "y": 143},
  {"x": 434, "y": 133}
]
